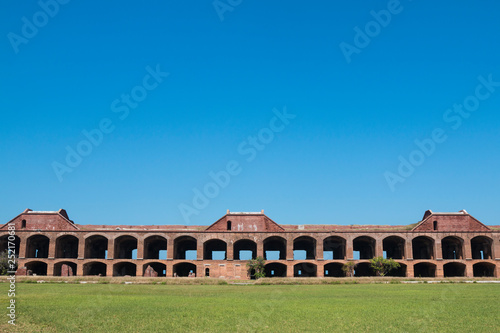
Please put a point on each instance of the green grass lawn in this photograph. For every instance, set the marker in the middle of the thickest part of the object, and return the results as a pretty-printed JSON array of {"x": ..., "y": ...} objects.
[{"x": 452, "y": 307}]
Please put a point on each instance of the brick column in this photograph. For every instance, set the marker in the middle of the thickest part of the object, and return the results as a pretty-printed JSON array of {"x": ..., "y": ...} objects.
[
  {"x": 170, "y": 249},
  {"x": 289, "y": 249},
  {"x": 109, "y": 268},
  {"x": 349, "y": 249},
  {"x": 23, "y": 243},
  {"x": 52, "y": 248},
  {"x": 230, "y": 250},
  {"x": 467, "y": 249},
  {"x": 438, "y": 250},
  {"x": 79, "y": 269},
  {"x": 50, "y": 268},
  {"x": 319, "y": 249},
  {"x": 496, "y": 250},
  {"x": 169, "y": 269},
  {"x": 379, "y": 249},
  {"x": 410, "y": 272},
  {"x": 260, "y": 249},
  {"x": 320, "y": 270},
  {"x": 138, "y": 268},
  {"x": 408, "y": 250},
  {"x": 81, "y": 248},
  {"x": 439, "y": 270},
  {"x": 140, "y": 248},
  {"x": 469, "y": 272},
  {"x": 111, "y": 248},
  {"x": 199, "y": 250},
  {"x": 289, "y": 270}
]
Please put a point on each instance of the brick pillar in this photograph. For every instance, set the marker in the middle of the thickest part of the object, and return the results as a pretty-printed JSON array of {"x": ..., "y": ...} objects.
[
  {"x": 409, "y": 270},
  {"x": 439, "y": 270},
  {"x": 497, "y": 271},
  {"x": 138, "y": 269},
  {"x": 79, "y": 269},
  {"x": 52, "y": 248},
  {"x": 109, "y": 268},
  {"x": 469, "y": 272},
  {"x": 496, "y": 249},
  {"x": 320, "y": 270},
  {"x": 379, "y": 249},
  {"x": 319, "y": 249},
  {"x": 169, "y": 269},
  {"x": 199, "y": 250},
  {"x": 111, "y": 248},
  {"x": 467, "y": 249},
  {"x": 289, "y": 270},
  {"x": 260, "y": 249},
  {"x": 289, "y": 250},
  {"x": 50, "y": 268},
  {"x": 140, "y": 248},
  {"x": 438, "y": 250},
  {"x": 23, "y": 242},
  {"x": 170, "y": 249},
  {"x": 230, "y": 251},
  {"x": 349, "y": 249},
  {"x": 408, "y": 250},
  {"x": 81, "y": 248}
]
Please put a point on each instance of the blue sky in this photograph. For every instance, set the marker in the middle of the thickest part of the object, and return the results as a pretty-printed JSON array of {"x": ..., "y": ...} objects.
[{"x": 352, "y": 117}]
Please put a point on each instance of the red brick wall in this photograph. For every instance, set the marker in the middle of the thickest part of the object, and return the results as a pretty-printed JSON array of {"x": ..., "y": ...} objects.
[{"x": 451, "y": 223}]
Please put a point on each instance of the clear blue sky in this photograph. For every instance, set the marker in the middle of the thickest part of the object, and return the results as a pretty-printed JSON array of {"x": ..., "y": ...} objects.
[{"x": 328, "y": 165}]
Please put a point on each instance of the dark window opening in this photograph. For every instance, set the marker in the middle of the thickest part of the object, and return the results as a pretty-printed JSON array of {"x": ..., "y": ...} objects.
[
  {"x": 23, "y": 224},
  {"x": 435, "y": 225},
  {"x": 229, "y": 225}
]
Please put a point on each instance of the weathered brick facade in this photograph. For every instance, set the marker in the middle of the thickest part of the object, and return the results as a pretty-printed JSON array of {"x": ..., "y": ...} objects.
[{"x": 442, "y": 244}]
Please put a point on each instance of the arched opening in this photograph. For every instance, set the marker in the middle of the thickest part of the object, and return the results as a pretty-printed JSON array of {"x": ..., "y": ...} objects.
[
  {"x": 481, "y": 247},
  {"x": 454, "y": 269},
  {"x": 214, "y": 249},
  {"x": 10, "y": 242},
  {"x": 399, "y": 272},
  {"x": 37, "y": 246},
  {"x": 124, "y": 269},
  {"x": 334, "y": 248},
  {"x": 185, "y": 248},
  {"x": 363, "y": 269},
  {"x": 65, "y": 268},
  {"x": 484, "y": 269},
  {"x": 229, "y": 225},
  {"x": 207, "y": 272},
  {"x": 364, "y": 247},
  {"x": 435, "y": 225},
  {"x": 424, "y": 269},
  {"x": 334, "y": 269},
  {"x": 452, "y": 247},
  {"x": 275, "y": 248},
  {"x": 184, "y": 269},
  {"x": 23, "y": 224},
  {"x": 96, "y": 247},
  {"x": 36, "y": 268},
  {"x": 394, "y": 247},
  {"x": 245, "y": 249},
  {"x": 125, "y": 248},
  {"x": 156, "y": 269},
  {"x": 275, "y": 269},
  {"x": 67, "y": 247},
  {"x": 423, "y": 247},
  {"x": 94, "y": 269},
  {"x": 155, "y": 247},
  {"x": 304, "y": 248},
  {"x": 305, "y": 269}
]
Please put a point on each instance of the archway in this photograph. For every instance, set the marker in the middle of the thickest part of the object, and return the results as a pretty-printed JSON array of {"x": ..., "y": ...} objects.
[
  {"x": 424, "y": 269},
  {"x": 185, "y": 247},
  {"x": 365, "y": 246},
  {"x": 155, "y": 247},
  {"x": 275, "y": 270},
  {"x": 484, "y": 269},
  {"x": 125, "y": 247},
  {"x": 275, "y": 248},
  {"x": 334, "y": 269},
  {"x": 124, "y": 269},
  {"x": 454, "y": 269},
  {"x": 67, "y": 247},
  {"x": 37, "y": 246},
  {"x": 304, "y": 248},
  {"x": 94, "y": 269},
  {"x": 305, "y": 269},
  {"x": 65, "y": 268},
  {"x": 183, "y": 269},
  {"x": 394, "y": 247},
  {"x": 245, "y": 249},
  {"x": 423, "y": 247},
  {"x": 481, "y": 247},
  {"x": 96, "y": 247},
  {"x": 452, "y": 247},
  {"x": 214, "y": 249},
  {"x": 334, "y": 248}
]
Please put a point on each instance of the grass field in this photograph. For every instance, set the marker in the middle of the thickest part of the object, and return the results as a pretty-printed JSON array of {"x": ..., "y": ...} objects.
[{"x": 59, "y": 307}]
